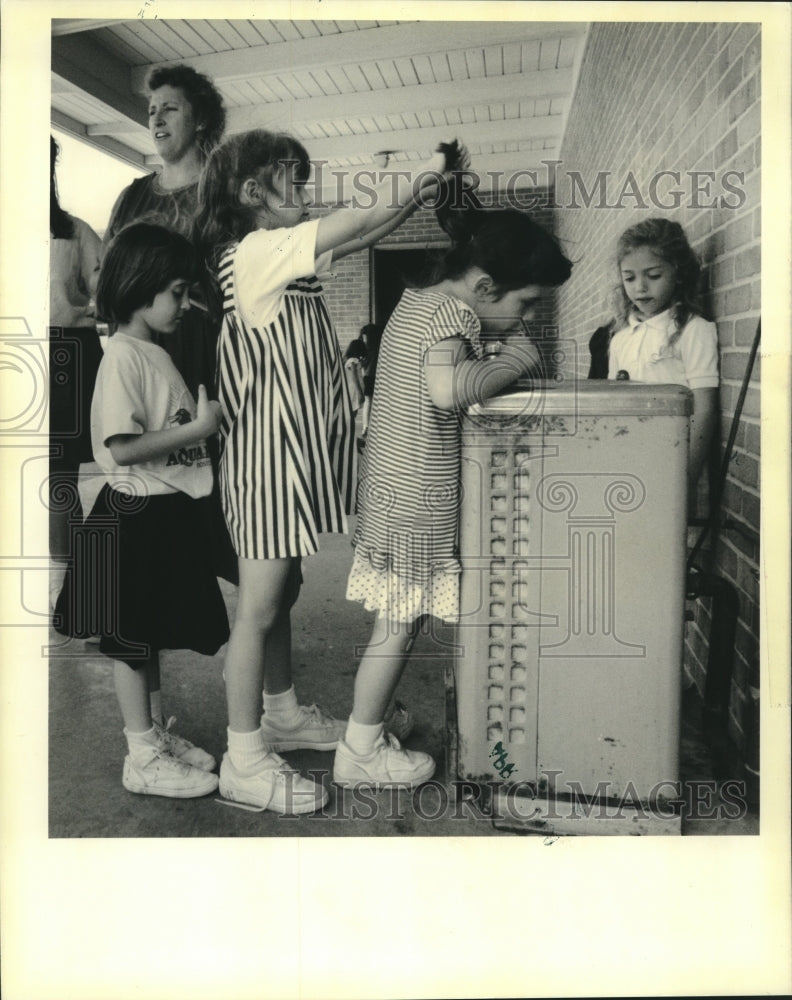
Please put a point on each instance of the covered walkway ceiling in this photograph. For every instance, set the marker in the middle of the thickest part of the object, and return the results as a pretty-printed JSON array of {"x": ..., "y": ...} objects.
[{"x": 347, "y": 89}]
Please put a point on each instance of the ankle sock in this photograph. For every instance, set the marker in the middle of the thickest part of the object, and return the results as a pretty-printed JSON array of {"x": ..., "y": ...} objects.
[
  {"x": 57, "y": 575},
  {"x": 282, "y": 709},
  {"x": 155, "y": 699},
  {"x": 139, "y": 743},
  {"x": 246, "y": 750},
  {"x": 360, "y": 738}
]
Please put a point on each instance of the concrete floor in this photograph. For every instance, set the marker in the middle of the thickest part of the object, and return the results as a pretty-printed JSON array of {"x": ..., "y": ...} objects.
[{"x": 87, "y": 747}]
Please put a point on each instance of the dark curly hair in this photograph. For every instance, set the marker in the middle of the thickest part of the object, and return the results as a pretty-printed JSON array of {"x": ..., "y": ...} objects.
[
  {"x": 203, "y": 96},
  {"x": 667, "y": 240}
]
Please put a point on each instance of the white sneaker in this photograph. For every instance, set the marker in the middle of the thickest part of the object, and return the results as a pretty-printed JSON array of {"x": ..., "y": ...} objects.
[
  {"x": 154, "y": 772},
  {"x": 276, "y": 786},
  {"x": 314, "y": 731},
  {"x": 182, "y": 749},
  {"x": 387, "y": 765}
]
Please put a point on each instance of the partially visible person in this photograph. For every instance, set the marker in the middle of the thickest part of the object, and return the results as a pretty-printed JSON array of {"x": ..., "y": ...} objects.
[
  {"x": 354, "y": 365},
  {"x": 371, "y": 335},
  {"x": 599, "y": 344},
  {"x": 74, "y": 356},
  {"x": 664, "y": 336},
  {"x": 155, "y": 588}
]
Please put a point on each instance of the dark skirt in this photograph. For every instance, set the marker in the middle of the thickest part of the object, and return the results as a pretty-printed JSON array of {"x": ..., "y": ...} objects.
[
  {"x": 74, "y": 357},
  {"x": 141, "y": 576}
]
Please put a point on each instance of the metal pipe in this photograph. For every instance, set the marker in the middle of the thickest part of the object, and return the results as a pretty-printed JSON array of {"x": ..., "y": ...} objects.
[
  {"x": 720, "y": 660},
  {"x": 728, "y": 524},
  {"x": 715, "y": 502}
]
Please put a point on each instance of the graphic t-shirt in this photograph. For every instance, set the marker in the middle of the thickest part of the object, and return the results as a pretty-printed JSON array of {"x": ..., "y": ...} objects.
[{"x": 138, "y": 389}]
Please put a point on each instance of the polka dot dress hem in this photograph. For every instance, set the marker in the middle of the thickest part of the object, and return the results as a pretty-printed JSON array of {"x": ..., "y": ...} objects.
[{"x": 401, "y": 600}]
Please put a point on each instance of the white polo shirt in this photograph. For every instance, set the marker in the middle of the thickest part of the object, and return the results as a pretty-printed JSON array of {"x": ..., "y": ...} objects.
[{"x": 642, "y": 349}]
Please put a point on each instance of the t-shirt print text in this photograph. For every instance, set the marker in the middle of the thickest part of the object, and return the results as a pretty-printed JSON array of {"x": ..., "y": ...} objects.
[{"x": 197, "y": 453}]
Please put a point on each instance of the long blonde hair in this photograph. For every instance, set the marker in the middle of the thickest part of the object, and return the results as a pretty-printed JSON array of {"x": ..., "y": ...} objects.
[{"x": 667, "y": 240}]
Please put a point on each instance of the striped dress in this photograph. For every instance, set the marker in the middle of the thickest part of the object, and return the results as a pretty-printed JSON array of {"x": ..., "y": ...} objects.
[
  {"x": 406, "y": 549},
  {"x": 288, "y": 467}
]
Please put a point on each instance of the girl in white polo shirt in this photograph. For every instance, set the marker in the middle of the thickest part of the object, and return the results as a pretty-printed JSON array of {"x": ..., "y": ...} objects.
[{"x": 666, "y": 339}]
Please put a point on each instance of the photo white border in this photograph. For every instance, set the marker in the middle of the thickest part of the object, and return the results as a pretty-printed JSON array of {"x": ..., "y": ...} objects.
[{"x": 464, "y": 917}]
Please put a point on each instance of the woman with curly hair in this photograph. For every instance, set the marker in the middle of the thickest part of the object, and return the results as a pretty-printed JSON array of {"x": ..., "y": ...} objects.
[{"x": 186, "y": 121}]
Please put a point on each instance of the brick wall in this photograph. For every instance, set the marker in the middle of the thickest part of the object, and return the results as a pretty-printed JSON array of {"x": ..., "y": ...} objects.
[{"x": 681, "y": 98}]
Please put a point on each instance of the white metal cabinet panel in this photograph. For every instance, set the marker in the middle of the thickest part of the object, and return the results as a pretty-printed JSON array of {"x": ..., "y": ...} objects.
[
  {"x": 611, "y": 505},
  {"x": 573, "y": 544},
  {"x": 497, "y": 668}
]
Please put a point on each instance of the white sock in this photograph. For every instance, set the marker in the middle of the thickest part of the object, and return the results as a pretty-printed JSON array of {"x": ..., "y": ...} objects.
[
  {"x": 282, "y": 709},
  {"x": 139, "y": 743},
  {"x": 246, "y": 750},
  {"x": 361, "y": 738},
  {"x": 155, "y": 698}
]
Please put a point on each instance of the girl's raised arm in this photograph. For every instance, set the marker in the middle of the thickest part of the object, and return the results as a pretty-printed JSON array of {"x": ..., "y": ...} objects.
[
  {"x": 374, "y": 235},
  {"x": 383, "y": 207}
]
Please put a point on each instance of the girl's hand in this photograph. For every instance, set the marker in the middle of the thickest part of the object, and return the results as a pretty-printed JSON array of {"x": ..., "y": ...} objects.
[
  {"x": 457, "y": 157},
  {"x": 522, "y": 350},
  {"x": 448, "y": 158},
  {"x": 209, "y": 414},
  {"x": 454, "y": 197}
]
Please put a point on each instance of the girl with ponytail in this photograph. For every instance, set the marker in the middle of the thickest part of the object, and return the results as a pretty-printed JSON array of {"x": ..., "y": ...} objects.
[{"x": 432, "y": 364}]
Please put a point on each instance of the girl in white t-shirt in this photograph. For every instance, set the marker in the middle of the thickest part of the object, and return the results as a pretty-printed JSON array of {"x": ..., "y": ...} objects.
[
  {"x": 141, "y": 575},
  {"x": 665, "y": 338},
  {"x": 288, "y": 469}
]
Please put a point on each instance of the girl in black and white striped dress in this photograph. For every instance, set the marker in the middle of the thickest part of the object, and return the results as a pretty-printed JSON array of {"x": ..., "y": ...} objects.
[
  {"x": 288, "y": 469},
  {"x": 432, "y": 363}
]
